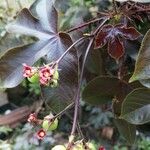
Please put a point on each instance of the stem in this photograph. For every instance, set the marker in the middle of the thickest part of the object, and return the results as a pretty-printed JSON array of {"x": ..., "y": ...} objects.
[
  {"x": 78, "y": 90},
  {"x": 115, "y": 6},
  {"x": 77, "y": 99},
  {"x": 63, "y": 111},
  {"x": 62, "y": 56},
  {"x": 80, "y": 131},
  {"x": 83, "y": 25}
]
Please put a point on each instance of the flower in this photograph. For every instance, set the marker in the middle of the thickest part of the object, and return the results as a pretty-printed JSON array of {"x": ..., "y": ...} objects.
[
  {"x": 101, "y": 148},
  {"x": 32, "y": 118},
  {"x": 113, "y": 35},
  {"x": 28, "y": 71},
  {"x": 46, "y": 74},
  {"x": 41, "y": 134}
]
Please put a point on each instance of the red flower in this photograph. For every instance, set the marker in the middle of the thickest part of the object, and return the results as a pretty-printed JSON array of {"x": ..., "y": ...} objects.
[
  {"x": 101, "y": 148},
  {"x": 113, "y": 35},
  {"x": 28, "y": 71},
  {"x": 32, "y": 118},
  {"x": 46, "y": 74},
  {"x": 41, "y": 134}
]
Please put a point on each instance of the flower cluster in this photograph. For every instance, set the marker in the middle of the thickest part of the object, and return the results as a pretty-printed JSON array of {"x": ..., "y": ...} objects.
[{"x": 46, "y": 75}]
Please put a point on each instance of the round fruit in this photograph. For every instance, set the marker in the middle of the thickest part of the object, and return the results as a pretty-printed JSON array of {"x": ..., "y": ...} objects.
[
  {"x": 50, "y": 126},
  {"x": 59, "y": 147},
  {"x": 78, "y": 147},
  {"x": 91, "y": 146},
  {"x": 56, "y": 75},
  {"x": 54, "y": 83},
  {"x": 34, "y": 78}
]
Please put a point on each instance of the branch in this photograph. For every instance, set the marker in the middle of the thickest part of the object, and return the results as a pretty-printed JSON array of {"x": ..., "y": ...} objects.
[
  {"x": 77, "y": 98},
  {"x": 83, "y": 25},
  {"x": 115, "y": 6},
  {"x": 63, "y": 55},
  {"x": 63, "y": 111}
]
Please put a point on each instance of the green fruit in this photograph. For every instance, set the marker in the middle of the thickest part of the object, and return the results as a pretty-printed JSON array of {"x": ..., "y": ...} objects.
[
  {"x": 59, "y": 147},
  {"x": 54, "y": 83},
  {"x": 91, "y": 146},
  {"x": 50, "y": 126},
  {"x": 34, "y": 78},
  {"x": 56, "y": 75},
  {"x": 78, "y": 147}
]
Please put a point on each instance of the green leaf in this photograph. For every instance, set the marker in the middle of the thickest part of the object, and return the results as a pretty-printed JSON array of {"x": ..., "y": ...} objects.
[
  {"x": 5, "y": 129},
  {"x": 103, "y": 89},
  {"x": 127, "y": 130},
  {"x": 135, "y": 108},
  {"x": 142, "y": 66}
]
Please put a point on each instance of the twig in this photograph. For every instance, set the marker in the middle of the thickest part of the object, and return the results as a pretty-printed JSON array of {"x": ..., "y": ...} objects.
[
  {"x": 63, "y": 55},
  {"x": 83, "y": 25},
  {"x": 115, "y": 6},
  {"x": 77, "y": 98},
  {"x": 64, "y": 110}
]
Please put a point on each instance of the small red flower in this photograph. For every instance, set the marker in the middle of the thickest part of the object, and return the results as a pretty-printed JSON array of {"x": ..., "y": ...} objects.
[
  {"x": 46, "y": 74},
  {"x": 101, "y": 148},
  {"x": 32, "y": 118},
  {"x": 28, "y": 71},
  {"x": 41, "y": 134}
]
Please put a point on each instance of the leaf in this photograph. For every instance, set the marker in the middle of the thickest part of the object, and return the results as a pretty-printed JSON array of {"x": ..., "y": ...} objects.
[
  {"x": 127, "y": 130},
  {"x": 102, "y": 36},
  {"x": 61, "y": 96},
  {"x": 44, "y": 27},
  {"x": 129, "y": 33},
  {"x": 135, "y": 108},
  {"x": 45, "y": 11},
  {"x": 28, "y": 25},
  {"x": 11, "y": 62},
  {"x": 102, "y": 90},
  {"x": 142, "y": 1},
  {"x": 142, "y": 66},
  {"x": 94, "y": 62},
  {"x": 115, "y": 48}
]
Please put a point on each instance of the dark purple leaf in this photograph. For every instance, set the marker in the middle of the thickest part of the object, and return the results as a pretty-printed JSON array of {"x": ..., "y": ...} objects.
[
  {"x": 51, "y": 43},
  {"x": 129, "y": 33},
  {"x": 63, "y": 95},
  {"x": 11, "y": 62},
  {"x": 102, "y": 37},
  {"x": 115, "y": 48},
  {"x": 103, "y": 89},
  {"x": 45, "y": 11},
  {"x": 28, "y": 25}
]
